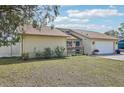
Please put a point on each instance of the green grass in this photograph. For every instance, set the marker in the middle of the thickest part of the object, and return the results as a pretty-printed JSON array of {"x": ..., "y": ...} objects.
[{"x": 71, "y": 71}]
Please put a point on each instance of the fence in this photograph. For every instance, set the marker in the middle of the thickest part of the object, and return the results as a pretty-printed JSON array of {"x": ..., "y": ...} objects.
[{"x": 10, "y": 51}]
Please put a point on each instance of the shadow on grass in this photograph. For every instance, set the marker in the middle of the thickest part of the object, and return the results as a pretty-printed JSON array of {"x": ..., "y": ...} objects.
[{"x": 15, "y": 60}]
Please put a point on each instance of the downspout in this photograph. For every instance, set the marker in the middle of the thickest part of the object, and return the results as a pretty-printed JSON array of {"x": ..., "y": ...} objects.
[
  {"x": 82, "y": 46},
  {"x": 11, "y": 50},
  {"x": 22, "y": 36},
  {"x": 22, "y": 41},
  {"x": 21, "y": 30}
]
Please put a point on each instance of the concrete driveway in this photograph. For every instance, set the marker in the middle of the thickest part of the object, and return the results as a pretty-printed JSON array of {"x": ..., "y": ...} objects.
[{"x": 115, "y": 57}]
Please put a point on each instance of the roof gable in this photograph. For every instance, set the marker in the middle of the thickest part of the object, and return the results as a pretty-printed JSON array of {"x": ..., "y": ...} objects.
[
  {"x": 70, "y": 37},
  {"x": 93, "y": 35},
  {"x": 29, "y": 30}
]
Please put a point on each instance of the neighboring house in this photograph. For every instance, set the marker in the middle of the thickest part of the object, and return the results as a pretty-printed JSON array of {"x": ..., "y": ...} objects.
[{"x": 33, "y": 40}]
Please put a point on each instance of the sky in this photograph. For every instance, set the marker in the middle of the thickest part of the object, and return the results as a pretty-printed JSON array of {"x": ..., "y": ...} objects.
[{"x": 99, "y": 18}]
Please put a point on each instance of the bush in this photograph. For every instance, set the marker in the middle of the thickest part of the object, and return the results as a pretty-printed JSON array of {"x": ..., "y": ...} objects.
[
  {"x": 59, "y": 52},
  {"x": 47, "y": 53},
  {"x": 25, "y": 56},
  {"x": 39, "y": 54}
]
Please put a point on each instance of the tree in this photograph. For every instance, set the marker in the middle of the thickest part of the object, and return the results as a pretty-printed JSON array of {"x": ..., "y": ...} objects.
[
  {"x": 12, "y": 16},
  {"x": 112, "y": 33},
  {"x": 121, "y": 29},
  {"x": 117, "y": 33}
]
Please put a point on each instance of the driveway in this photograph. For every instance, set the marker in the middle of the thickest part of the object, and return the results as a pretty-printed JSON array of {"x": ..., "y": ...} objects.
[{"x": 115, "y": 57}]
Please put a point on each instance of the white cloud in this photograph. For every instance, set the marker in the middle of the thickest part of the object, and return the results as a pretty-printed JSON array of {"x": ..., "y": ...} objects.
[
  {"x": 77, "y": 19},
  {"x": 112, "y": 6},
  {"x": 79, "y": 23},
  {"x": 90, "y": 27},
  {"x": 94, "y": 13},
  {"x": 68, "y": 20}
]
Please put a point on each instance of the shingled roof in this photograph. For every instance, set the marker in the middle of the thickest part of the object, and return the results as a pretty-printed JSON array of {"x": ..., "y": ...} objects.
[
  {"x": 93, "y": 35},
  {"x": 47, "y": 31},
  {"x": 70, "y": 37}
]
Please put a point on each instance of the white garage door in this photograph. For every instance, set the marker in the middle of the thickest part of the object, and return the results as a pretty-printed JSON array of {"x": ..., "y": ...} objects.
[{"x": 104, "y": 47}]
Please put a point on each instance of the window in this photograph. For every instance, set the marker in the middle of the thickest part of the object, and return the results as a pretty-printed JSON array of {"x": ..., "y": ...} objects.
[{"x": 77, "y": 43}]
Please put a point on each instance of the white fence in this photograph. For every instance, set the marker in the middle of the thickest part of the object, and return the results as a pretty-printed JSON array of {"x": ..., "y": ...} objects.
[{"x": 14, "y": 50}]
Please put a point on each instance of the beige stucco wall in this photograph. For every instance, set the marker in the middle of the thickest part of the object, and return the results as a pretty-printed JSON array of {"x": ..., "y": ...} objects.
[
  {"x": 33, "y": 43},
  {"x": 116, "y": 44},
  {"x": 87, "y": 45}
]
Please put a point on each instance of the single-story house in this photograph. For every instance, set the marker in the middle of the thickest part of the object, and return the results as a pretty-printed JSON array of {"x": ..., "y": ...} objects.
[
  {"x": 95, "y": 40},
  {"x": 33, "y": 40},
  {"x": 73, "y": 40}
]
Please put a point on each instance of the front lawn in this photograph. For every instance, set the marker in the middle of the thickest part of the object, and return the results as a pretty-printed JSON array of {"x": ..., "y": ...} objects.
[{"x": 71, "y": 71}]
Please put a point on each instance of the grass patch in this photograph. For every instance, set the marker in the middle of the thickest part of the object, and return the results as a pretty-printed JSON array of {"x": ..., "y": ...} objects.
[{"x": 70, "y": 71}]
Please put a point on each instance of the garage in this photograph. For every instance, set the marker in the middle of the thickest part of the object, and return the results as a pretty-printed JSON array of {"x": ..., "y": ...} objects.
[{"x": 104, "y": 47}]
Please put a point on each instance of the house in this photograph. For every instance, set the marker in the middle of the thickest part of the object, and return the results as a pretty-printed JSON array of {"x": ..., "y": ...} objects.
[
  {"x": 33, "y": 40},
  {"x": 74, "y": 41},
  {"x": 95, "y": 40}
]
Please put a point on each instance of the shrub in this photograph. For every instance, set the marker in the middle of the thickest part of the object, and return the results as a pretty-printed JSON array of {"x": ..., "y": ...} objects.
[
  {"x": 25, "y": 56},
  {"x": 47, "y": 53},
  {"x": 39, "y": 54},
  {"x": 59, "y": 52}
]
